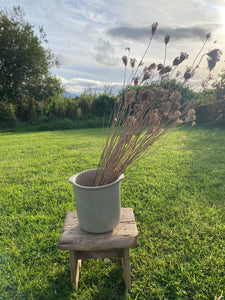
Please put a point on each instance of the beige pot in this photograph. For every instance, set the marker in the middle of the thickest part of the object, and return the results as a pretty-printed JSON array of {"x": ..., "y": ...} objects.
[{"x": 98, "y": 208}]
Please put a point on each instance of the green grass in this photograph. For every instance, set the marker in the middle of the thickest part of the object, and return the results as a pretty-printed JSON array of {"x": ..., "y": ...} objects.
[{"x": 177, "y": 195}]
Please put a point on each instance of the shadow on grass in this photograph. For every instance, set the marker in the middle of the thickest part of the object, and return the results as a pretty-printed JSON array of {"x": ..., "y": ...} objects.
[{"x": 99, "y": 280}]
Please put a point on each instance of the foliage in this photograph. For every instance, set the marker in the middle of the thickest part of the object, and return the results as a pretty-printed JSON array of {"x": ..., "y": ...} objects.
[
  {"x": 24, "y": 64},
  {"x": 103, "y": 105},
  {"x": 219, "y": 89},
  {"x": 178, "y": 202},
  {"x": 7, "y": 114}
]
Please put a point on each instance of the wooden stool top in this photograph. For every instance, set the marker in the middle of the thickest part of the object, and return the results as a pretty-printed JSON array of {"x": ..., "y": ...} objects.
[{"x": 124, "y": 235}]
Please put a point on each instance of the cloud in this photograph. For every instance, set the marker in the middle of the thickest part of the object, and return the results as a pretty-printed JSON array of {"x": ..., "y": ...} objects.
[
  {"x": 176, "y": 33},
  {"x": 105, "y": 53},
  {"x": 79, "y": 85}
]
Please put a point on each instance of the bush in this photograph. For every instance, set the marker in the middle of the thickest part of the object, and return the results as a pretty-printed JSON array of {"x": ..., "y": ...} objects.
[
  {"x": 103, "y": 105},
  {"x": 7, "y": 114}
]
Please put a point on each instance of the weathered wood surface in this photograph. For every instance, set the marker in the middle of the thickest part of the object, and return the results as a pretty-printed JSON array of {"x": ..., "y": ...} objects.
[
  {"x": 126, "y": 268},
  {"x": 75, "y": 265},
  {"x": 109, "y": 253},
  {"x": 124, "y": 235}
]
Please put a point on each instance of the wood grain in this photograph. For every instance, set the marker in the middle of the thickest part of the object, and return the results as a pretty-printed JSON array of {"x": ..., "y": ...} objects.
[{"x": 124, "y": 235}]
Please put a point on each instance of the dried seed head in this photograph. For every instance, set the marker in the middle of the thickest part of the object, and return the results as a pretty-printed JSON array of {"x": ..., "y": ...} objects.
[
  {"x": 154, "y": 116},
  {"x": 190, "y": 116},
  {"x": 136, "y": 108},
  {"x": 183, "y": 56},
  {"x": 178, "y": 122},
  {"x": 175, "y": 106},
  {"x": 165, "y": 70},
  {"x": 165, "y": 107},
  {"x": 175, "y": 96},
  {"x": 146, "y": 75},
  {"x": 188, "y": 74},
  {"x": 160, "y": 94},
  {"x": 136, "y": 79},
  {"x": 166, "y": 39},
  {"x": 215, "y": 54},
  {"x": 208, "y": 35},
  {"x": 213, "y": 58},
  {"x": 160, "y": 67},
  {"x": 127, "y": 49},
  {"x": 145, "y": 95},
  {"x": 132, "y": 62},
  {"x": 151, "y": 67},
  {"x": 176, "y": 61},
  {"x": 176, "y": 115},
  {"x": 154, "y": 27},
  {"x": 130, "y": 96},
  {"x": 124, "y": 59}
]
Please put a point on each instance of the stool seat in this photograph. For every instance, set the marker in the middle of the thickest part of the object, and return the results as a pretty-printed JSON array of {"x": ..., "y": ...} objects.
[{"x": 85, "y": 245}]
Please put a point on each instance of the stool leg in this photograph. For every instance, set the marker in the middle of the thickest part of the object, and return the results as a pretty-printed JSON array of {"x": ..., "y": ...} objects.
[
  {"x": 126, "y": 268},
  {"x": 75, "y": 265}
]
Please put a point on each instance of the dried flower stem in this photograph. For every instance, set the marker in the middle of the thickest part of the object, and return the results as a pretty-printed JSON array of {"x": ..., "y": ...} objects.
[{"x": 142, "y": 116}]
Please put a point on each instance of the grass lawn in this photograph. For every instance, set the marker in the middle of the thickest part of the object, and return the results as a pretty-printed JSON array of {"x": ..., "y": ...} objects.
[{"x": 178, "y": 197}]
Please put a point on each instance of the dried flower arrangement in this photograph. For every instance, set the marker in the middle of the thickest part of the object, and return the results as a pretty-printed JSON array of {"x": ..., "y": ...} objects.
[{"x": 142, "y": 115}]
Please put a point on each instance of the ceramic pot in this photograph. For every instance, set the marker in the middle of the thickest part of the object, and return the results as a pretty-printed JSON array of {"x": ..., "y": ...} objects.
[{"x": 98, "y": 207}]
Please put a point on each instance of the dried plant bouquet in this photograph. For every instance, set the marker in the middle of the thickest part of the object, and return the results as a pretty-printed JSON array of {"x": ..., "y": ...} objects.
[{"x": 148, "y": 108}]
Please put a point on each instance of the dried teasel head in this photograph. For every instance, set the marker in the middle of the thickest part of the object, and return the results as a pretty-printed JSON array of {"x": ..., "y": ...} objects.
[
  {"x": 183, "y": 56},
  {"x": 177, "y": 114},
  {"x": 151, "y": 67},
  {"x": 130, "y": 96},
  {"x": 166, "y": 39},
  {"x": 125, "y": 60},
  {"x": 154, "y": 27},
  {"x": 165, "y": 70},
  {"x": 145, "y": 95},
  {"x": 213, "y": 58},
  {"x": 175, "y": 96},
  {"x": 160, "y": 67},
  {"x": 146, "y": 75},
  {"x": 191, "y": 116},
  {"x": 188, "y": 74},
  {"x": 179, "y": 59},
  {"x": 208, "y": 35},
  {"x": 165, "y": 108},
  {"x": 176, "y": 61},
  {"x": 132, "y": 62},
  {"x": 136, "y": 80},
  {"x": 175, "y": 106},
  {"x": 160, "y": 94}
]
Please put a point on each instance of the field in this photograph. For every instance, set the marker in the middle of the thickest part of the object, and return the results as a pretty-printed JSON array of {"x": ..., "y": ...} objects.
[{"x": 178, "y": 198}]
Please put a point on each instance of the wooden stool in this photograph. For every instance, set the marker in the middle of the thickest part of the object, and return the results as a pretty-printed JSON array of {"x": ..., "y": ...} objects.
[{"x": 84, "y": 245}]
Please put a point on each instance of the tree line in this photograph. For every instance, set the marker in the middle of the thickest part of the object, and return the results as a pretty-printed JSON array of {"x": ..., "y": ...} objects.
[{"x": 28, "y": 91}]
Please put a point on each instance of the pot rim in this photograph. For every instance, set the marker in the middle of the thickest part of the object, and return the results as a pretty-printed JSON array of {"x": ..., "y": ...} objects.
[{"x": 73, "y": 178}]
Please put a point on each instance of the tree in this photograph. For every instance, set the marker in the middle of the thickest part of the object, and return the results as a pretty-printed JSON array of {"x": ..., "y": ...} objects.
[{"x": 24, "y": 61}]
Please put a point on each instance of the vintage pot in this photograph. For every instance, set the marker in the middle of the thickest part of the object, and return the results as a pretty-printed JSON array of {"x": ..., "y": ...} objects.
[{"x": 98, "y": 207}]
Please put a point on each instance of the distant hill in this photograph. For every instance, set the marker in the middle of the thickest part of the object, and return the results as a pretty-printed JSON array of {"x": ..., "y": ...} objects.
[{"x": 72, "y": 95}]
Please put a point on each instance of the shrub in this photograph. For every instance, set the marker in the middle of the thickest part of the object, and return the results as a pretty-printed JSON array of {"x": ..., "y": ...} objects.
[{"x": 7, "y": 114}]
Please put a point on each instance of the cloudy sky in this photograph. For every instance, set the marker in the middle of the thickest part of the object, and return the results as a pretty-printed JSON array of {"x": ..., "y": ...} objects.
[{"x": 89, "y": 36}]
